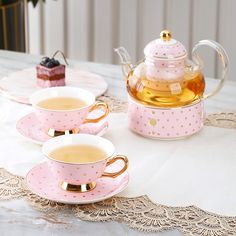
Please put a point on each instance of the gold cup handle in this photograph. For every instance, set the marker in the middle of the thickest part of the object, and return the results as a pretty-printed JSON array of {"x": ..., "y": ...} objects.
[
  {"x": 96, "y": 106},
  {"x": 224, "y": 59},
  {"x": 111, "y": 161}
]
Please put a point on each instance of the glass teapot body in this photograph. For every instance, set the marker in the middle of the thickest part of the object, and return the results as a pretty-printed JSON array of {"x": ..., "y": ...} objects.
[
  {"x": 166, "y": 78},
  {"x": 165, "y": 83}
]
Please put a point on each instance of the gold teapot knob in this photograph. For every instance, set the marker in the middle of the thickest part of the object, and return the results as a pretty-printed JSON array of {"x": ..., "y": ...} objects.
[{"x": 165, "y": 35}]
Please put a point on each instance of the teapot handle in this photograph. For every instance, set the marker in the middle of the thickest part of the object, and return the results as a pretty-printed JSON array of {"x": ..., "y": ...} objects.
[{"x": 223, "y": 58}]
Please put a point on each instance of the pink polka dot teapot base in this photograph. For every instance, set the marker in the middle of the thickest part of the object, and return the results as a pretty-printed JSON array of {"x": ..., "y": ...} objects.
[
  {"x": 166, "y": 90},
  {"x": 165, "y": 123}
]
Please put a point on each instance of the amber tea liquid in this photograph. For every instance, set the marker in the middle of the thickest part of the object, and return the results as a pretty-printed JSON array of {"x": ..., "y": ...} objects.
[
  {"x": 167, "y": 93},
  {"x": 62, "y": 103},
  {"x": 78, "y": 154}
]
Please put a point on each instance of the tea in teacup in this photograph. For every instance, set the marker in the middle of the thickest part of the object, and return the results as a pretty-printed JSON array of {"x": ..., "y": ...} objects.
[
  {"x": 82, "y": 153},
  {"x": 62, "y": 103}
]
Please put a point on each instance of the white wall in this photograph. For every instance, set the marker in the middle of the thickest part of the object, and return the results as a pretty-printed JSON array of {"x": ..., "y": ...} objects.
[{"x": 90, "y": 29}]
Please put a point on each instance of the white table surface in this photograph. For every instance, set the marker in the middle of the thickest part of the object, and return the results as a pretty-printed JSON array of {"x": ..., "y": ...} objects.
[{"x": 28, "y": 222}]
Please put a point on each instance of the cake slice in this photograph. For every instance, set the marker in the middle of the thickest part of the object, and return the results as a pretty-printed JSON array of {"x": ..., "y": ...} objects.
[{"x": 50, "y": 73}]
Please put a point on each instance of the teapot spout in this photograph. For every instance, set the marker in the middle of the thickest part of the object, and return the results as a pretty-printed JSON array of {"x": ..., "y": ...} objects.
[{"x": 125, "y": 60}]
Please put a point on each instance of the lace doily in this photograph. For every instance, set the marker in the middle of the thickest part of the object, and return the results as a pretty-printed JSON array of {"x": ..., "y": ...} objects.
[
  {"x": 222, "y": 120},
  {"x": 114, "y": 104},
  {"x": 139, "y": 213}
]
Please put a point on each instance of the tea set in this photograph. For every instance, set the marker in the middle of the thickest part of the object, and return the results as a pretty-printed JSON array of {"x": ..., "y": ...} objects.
[{"x": 166, "y": 101}]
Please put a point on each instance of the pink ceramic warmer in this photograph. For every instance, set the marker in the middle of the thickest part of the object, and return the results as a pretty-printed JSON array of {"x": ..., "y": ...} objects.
[{"x": 166, "y": 90}]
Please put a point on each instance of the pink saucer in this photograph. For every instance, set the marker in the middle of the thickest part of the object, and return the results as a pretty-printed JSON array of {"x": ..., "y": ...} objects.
[
  {"x": 42, "y": 183},
  {"x": 29, "y": 127}
]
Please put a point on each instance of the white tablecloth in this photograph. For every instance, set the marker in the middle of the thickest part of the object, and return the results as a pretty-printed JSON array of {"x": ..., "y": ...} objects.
[{"x": 197, "y": 171}]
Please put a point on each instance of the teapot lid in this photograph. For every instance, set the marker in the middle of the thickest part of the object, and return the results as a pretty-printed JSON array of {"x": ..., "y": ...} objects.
[{"x": 165, "y": 47}]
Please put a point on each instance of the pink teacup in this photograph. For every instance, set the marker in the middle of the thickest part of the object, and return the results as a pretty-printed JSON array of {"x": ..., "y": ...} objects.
[
  {"x": 66, "y": 120},
  {"x": 81, "y": 177}
]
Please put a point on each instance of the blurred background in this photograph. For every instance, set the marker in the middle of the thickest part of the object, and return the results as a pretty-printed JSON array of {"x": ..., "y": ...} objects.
[{"x": 90, "y": 29}]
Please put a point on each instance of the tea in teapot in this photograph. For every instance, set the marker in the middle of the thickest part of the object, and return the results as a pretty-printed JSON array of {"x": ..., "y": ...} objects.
[{"x": 166, "y": 93}]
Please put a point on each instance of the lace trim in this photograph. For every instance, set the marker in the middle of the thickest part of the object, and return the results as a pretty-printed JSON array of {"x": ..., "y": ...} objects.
[
  {"x": 222, "y": 120},
  {"x": 11, "y": 186},
  {"x": 114, "y": 103},
  {"x": 139, "y": 213},
  {"x": 142, "y": 214}
]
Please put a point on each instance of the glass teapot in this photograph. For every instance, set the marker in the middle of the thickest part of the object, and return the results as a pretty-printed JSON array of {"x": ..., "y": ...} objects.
[{"x": 166, "y": 78}]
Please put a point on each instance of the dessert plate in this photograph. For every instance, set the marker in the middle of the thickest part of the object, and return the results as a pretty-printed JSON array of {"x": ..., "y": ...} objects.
[
  {"x": 19, "y": 85},
  {"x": 42, "y": 183},
  {"x": 30, "y": 128}
]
